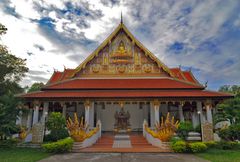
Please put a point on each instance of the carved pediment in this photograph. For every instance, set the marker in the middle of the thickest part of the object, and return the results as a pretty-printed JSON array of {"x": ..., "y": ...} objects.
[{"x": 121, "y": 55}]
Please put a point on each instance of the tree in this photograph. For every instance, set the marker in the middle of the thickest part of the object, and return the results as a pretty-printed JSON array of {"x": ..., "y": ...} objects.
[
  {"x": 35, "y": 87},
  {"x": 231, "y": 107},
  {"x": 57, "y": 125},
  {"x": 12, "y": 71}
]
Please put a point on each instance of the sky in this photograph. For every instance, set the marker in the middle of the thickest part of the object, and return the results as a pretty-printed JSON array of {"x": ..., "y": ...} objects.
[{"x": 200, "y": 35}]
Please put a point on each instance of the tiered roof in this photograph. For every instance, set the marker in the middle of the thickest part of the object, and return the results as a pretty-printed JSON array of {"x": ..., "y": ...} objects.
[{"x": 176, "y": 84}]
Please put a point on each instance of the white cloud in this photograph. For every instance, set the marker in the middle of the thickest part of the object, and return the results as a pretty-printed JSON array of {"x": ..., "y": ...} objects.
[{"x": 158, "y": 24}]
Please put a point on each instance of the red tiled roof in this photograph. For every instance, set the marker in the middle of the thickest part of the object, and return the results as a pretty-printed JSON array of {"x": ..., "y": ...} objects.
[
  {"x": 178, "y": 73},
  {"x": 55, "y": 77},
  {"x": 67, "y": 74},
  {"x": 127, "y": 83},
  {"x": 126, "y": 93},
  {"x": 188, "y": 75}
]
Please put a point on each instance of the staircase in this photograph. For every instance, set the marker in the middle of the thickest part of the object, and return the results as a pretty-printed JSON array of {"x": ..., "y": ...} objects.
[{"x": 105, "y": 144}]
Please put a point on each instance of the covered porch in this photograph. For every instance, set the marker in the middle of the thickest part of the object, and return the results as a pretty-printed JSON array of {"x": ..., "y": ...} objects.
[{"x": 197, "y": 111}]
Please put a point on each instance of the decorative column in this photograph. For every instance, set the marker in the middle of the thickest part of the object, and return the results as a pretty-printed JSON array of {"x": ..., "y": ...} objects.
[
  {"x": 199, "y": 111},
  {"x": 91, "y": 115},
  {"x": 45, "y": 111},
  {"x": 152, "y": 114},
  {"x": 156, "y": 105},
  {"x": 206, "y": 126},
  {"x": 19, "y": 118},
  {"x": 29, "y": 118},
  {"x": 180, "y": 111},
  {"x": 209, "y": 112},
  {"x": 36, "y": 112},
  {"x": 87, "y": 105},
  {"x": 64, "y": 109}
]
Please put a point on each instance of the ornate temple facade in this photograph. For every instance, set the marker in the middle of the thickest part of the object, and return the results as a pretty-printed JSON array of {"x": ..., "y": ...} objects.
[{"x": 122, "y": 84}]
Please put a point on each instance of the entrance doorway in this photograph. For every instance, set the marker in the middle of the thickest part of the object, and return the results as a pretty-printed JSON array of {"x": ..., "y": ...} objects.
[{"x": 138, "y": 112}]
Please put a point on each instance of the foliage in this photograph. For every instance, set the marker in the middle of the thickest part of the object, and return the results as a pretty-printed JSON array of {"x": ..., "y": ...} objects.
[
  {"x": 57, "y": 125},
  {"x": 8, "y": 115},
  {"x": 230, "y": 108},
  {"x": 35, "y": 87},
  {"x": 184, "y": 128},
  {"x": 61, "y": 146},
  {"x": 179, "y": 146},
  {"x": 226, "y": 145},
  {"x": 8, "y": 143},
  {"x": 197, "y": 147},
  {"x": 56, "y": 135},
  {"x": 12, "y": 70},
  {"x": 56, "y": 121},
  {"x": 16, "y": 154},
  {"x": 231, "y": 133},
  {"x": 211, "y": 144}
]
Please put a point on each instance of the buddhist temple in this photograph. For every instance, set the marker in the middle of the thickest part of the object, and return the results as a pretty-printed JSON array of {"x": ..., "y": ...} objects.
[{"x": 122, "y": 84}]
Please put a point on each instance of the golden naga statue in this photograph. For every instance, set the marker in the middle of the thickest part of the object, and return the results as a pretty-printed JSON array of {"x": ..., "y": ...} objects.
[
  {"x": 78, "y": 130},
  {"x": 22, "y": 133},
  {"x": 164, "y": 130}
]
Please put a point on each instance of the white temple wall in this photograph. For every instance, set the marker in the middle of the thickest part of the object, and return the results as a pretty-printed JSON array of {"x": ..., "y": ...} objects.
[{"x": 106, "y": 115}]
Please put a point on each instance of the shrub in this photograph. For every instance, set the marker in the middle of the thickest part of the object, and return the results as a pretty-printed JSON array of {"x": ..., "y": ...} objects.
[
  {"x": 179, "y": 146},
  {"x": 8, "y": 143},
  {"x": 57, "y": 125},
  {"x": 231, "y": 133},
  {"x": 61, "y": 146},
  {"x": 197, "y": 147},
  {"x": 56, "y": 135},
  {"x": 225, "y": 145},
  {"x": 184, "y": 128},
  {"x": 175, "y": 139},
  {"x": 210, "y": 144}
]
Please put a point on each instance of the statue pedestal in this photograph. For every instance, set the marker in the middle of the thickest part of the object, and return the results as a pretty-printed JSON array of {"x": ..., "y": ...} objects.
[{"x": 122, "y": 123}]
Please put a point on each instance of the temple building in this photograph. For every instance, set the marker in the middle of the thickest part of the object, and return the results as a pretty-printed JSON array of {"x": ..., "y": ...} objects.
[{"x": 122, "y": 78}]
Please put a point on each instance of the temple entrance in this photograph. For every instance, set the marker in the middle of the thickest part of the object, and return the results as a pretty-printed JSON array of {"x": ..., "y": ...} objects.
[{"x": 133, "y": 115}]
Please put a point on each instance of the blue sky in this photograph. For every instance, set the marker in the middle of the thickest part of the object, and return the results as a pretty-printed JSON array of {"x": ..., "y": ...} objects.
[{"x": 201, "y": 35}]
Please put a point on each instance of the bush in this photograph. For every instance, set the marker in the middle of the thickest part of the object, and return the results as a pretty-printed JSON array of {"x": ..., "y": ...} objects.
[
  {"x": 57, "y": 125},
  {"x": 179, "y": 146},
  {"x": 61, "y": 146},
  {"x": 211, "y": 144},
  {"x": 225, "y": 145},
  {"x": 231, "y": 133},
  {"x": 184, "y": 128},
  {"x": 56, "y": 135},
  {"x": 8, "y": 143},
  {"x": 197, "y": 147}
]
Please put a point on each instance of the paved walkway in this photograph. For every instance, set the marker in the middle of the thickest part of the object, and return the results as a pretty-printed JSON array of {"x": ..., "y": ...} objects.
[{"x": 123, "y": 157}]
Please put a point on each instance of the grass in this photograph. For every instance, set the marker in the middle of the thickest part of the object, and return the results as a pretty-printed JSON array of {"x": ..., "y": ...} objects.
[
  {"x": 216, "y": 155},
  {"x": 21, "y": 154}
]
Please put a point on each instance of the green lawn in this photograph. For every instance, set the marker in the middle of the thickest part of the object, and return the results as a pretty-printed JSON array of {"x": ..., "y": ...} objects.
[
  {"x": 215, "y": 155},
  {"x": 21, "y": 154}
]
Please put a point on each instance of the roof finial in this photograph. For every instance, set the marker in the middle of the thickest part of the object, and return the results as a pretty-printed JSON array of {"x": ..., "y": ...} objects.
[{"x": 121, "y": 18}]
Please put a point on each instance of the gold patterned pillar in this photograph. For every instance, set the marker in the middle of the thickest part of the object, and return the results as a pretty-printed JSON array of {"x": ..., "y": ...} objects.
[
  {"x": 180, "y": 111},
  {"x": 87, "y": 105},
  {"x": 208, "y": 106},
  {"x": 36, "y": 105},
  {"x": 64, "y": 108},
  {"x": 156, "y": 105}
]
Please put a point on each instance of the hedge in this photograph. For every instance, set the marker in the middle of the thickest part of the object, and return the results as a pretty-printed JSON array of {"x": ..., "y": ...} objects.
[{"x": 61, "y": 146}]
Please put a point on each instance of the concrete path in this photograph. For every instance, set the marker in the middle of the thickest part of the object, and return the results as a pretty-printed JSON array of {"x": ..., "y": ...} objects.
[{"x": 123, "y": 157}]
